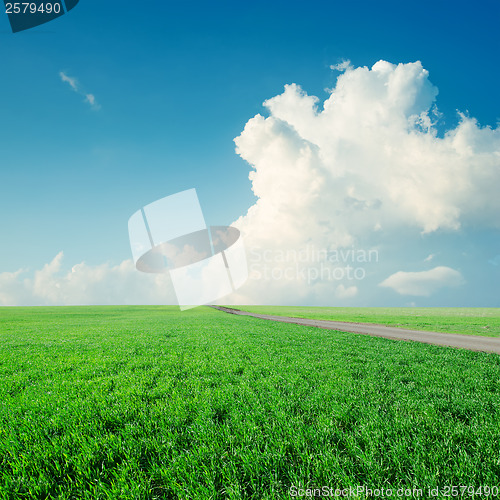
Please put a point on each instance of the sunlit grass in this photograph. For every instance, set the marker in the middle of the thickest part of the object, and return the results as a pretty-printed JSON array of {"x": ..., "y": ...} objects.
[{"x": 148, "y": 402}]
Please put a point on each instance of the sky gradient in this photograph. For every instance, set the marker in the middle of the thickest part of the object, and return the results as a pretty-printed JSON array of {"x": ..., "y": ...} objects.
[{"x": 107, "y": 109}]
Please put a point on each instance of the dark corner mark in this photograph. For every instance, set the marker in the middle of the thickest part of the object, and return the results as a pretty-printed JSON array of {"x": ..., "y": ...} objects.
[{"x": 28, "y": 14}]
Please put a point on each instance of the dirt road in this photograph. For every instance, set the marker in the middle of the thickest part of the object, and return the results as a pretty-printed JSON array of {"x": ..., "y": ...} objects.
[{"x": 471, "y": 342}]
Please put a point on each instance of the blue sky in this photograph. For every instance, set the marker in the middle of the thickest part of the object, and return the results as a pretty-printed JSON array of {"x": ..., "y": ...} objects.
[{"x": 176, "y": 82}]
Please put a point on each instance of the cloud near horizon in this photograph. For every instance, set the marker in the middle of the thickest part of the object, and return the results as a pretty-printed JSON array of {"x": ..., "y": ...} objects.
[
  {"x": 84, "y": 285},
  {"x": 423, "y": 283}
]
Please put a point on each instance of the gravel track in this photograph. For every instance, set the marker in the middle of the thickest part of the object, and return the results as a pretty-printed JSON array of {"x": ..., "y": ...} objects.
[{"x": 470, "y": 342}]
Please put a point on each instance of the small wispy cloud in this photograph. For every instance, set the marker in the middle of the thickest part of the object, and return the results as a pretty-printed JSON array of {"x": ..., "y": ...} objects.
[
  {"x": 90, "y": 98},
  {"x": 68, "y": 79},
  {"x": 75, "y": 86},
  {"x": 341, "y": 66}
]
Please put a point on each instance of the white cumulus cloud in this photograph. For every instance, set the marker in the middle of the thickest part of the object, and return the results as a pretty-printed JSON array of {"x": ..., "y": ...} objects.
[
  {"x": 423, "y": 283},
  {"x": 85, "y": 285},
  {"x": 360, "y": 167}
]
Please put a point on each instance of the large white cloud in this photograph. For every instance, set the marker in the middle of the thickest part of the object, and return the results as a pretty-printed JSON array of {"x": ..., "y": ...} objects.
[
  {"x": 369, "y": 161},
  {"x": 423, "y": 283}
]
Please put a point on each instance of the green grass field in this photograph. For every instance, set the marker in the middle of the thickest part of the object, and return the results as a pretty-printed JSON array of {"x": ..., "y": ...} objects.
[
  {"x": 467, "y": 320},
  {"x": 148, "y": 402}
]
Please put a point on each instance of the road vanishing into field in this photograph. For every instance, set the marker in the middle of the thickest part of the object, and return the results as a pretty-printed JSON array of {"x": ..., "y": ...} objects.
[{"x": 470, "y": 342}]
